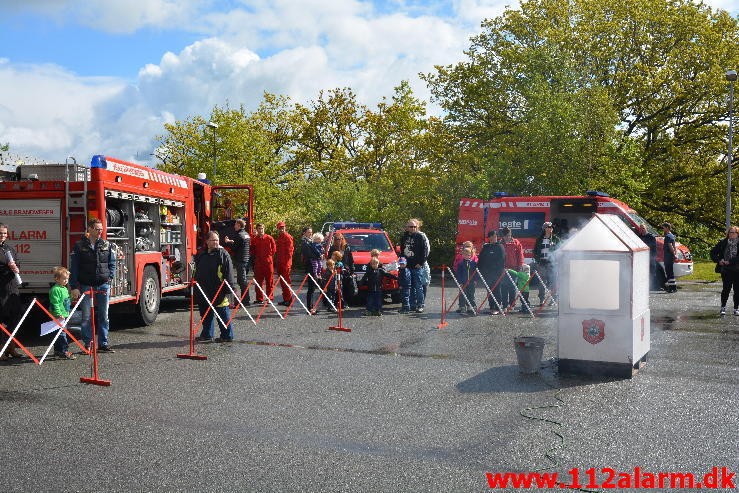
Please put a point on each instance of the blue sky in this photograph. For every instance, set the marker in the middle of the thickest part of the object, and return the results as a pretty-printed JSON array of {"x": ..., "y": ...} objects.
[{"x": 84, "y": 77}]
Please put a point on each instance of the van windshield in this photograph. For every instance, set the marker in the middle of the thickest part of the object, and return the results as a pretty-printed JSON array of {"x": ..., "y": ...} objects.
[
  {"x": 365, "y": 242},
  {"x": 640, "y": 220}
]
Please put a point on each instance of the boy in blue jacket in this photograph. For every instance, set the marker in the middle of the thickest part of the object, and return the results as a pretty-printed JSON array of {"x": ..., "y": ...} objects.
[
  {"x": 404, "y": 280},
  {"x": 466, "y": 272}
]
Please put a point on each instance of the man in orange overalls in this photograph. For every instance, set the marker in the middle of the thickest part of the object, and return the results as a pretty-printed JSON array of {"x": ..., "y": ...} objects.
[
  {"x": 284, "y": 259},
  {"x": 263, "y": 248}
]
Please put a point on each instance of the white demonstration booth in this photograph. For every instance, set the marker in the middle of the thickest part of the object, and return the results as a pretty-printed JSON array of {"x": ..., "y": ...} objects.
[{"x": 603, "y": 273}]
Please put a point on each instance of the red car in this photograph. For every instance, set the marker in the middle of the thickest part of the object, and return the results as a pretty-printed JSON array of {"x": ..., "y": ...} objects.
[{"x": 363, "y": 238}]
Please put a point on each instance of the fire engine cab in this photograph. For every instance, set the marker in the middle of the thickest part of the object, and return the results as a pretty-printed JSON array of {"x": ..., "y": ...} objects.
[
  {"x": 526, "y": 215},
  {"x": 156, "y": 221}
]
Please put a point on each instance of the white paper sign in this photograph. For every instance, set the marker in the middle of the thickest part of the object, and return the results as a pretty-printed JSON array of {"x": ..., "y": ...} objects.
[{"x": 49, "y": 327}]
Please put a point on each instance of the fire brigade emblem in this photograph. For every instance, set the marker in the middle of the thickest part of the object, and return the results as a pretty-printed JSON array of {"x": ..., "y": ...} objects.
[{"x": 593, "y": 330}]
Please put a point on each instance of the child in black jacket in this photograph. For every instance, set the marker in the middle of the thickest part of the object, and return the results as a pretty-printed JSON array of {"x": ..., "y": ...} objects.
[{"x": 373, "y": 280}]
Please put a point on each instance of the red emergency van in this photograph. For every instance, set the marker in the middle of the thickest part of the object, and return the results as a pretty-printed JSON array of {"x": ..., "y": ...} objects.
[{"x": 525, "y": 216}]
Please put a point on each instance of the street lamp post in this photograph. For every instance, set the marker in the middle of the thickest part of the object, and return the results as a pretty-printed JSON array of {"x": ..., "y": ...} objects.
[
  {"x": 214, "y": 126},
  {"x": 731, "y": 77}
]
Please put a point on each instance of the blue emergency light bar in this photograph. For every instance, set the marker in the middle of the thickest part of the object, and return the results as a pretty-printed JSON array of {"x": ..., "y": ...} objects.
[
  {"x": 353, "y": 225},
  {"x": 98, "y": 161},
  {"x": 596, "y": 193}
]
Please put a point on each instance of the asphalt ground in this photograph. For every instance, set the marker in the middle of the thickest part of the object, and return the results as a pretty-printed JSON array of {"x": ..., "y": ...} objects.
[{"x": 394, "y": 405}]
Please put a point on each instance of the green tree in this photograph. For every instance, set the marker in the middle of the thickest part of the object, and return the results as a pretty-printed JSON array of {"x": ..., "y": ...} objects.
[{"x": 621, "y": 95}]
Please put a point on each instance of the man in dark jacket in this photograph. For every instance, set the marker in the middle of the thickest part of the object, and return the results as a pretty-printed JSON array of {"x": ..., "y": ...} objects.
[
  {"x": 649, "y": 240},
  {"x": 413, "y": 248},
  {"x": 92, "y": 266},
  {"x": 669, "y": 252},
  {"x": 491, "y": 263},
  {"x": 241, "y": 247},
  {"x": 212, "y": 267},
  {"x": 544, "y": 248},
  {"x": 307, "y": 254}
]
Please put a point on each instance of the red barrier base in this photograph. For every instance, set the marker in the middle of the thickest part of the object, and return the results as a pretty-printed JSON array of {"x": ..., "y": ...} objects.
[
  {"x": 192, "y": 356},
  {"x": 442, "y": 325},
  {"x": 340, "y": 328},
  {"x": 95, "y": 381}
]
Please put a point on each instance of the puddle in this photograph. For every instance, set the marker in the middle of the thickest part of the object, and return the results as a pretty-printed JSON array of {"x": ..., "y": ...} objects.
[
  {"x": 384, "y": 351},
  {"x": 680, "y": 321}
]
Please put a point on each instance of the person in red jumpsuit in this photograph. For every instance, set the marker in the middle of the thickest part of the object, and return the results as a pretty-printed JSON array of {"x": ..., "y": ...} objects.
[
  {"x": 263, "y": 248},
  {"x": 284, "y": 260}
]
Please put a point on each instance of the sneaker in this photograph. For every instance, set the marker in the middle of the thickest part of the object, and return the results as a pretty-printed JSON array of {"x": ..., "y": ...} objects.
[
  {"x": 106, "y": 349},
  {"x": 379, "y": 314},
  {"x": 494, "y": 312},
  {"x": 203, "y": 339},
  {"x": 222, "y": 339},
  {"x": 366, "y": 313},
  {"x": 64, "y": 355},
  {"x": 723, "y": 311},
  {"x": 419, "y": 309}
]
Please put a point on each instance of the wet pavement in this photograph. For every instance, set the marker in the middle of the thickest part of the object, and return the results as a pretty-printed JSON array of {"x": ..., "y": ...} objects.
[{"x": 395, "y": 405}]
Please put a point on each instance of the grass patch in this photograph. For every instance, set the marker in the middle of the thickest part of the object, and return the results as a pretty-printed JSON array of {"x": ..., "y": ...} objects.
[{"x": 703, "y": 271}]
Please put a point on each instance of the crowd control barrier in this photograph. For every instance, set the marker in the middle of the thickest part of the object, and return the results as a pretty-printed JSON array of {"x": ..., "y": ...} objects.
[
  {"x": 58, "y": 326},
  {"x": 192, "y": 354},
  {"x": 339, "y": 301},
  {"x": 519, "y": 295},
  {"x": 94, "y": 379},
  {"x": 11, "y": 336},
  {"x": 548, "y": 294},
  {"x": 323, "y": 292},
  {"x": 295, "y": 295}
]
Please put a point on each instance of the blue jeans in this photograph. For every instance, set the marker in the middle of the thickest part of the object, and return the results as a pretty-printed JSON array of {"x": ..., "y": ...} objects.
[
  {"x": 405, "y": 296},
  {"x": 62, "y": 343},
  {"x": 374, "y": 301},
  {"x": 417, "y": 298},
  {"x": 225, "y": 313},
  {"x": 102, "y": 324}
]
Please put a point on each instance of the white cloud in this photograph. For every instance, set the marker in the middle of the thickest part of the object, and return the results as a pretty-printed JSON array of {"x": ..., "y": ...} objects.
[
  {"x": 307, "y": 46},
  {"x": 115, "y": 16},
  {"x": 47, "y": 108}
]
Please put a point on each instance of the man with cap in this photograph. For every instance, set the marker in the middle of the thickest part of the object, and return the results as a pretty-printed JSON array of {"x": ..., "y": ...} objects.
[
  {"x": 668, "y": 250},
  {"x": 543, "y": 249},
  {"x": 284, "y": 261}
]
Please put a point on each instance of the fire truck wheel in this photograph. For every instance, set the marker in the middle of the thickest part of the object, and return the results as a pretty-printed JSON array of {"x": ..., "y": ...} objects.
[{"x": 150, "y": 296}]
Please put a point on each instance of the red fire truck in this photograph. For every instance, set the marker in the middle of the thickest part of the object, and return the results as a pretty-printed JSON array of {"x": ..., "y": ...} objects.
[
  {"x": 156, "y": 220},
  {"x": 525, "y": 216}
]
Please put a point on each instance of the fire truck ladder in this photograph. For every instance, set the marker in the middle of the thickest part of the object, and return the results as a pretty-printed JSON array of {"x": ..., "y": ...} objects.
[{"x": 76, "y": 202}]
